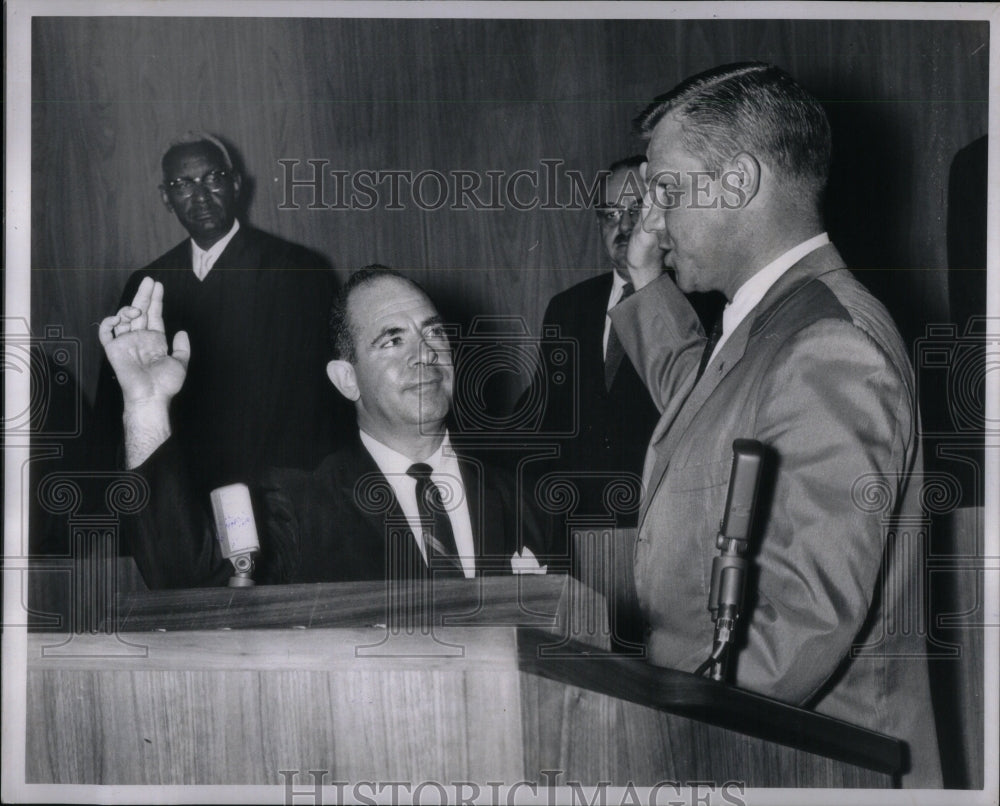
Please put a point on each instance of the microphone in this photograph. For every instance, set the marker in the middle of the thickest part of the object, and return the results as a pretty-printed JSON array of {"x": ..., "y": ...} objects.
[
  {"x": 236, "y": 531},
  {"x": 725, "y": 599}
]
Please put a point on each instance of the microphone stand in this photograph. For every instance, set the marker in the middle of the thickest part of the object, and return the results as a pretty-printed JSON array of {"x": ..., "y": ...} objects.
[
  {"x": 729, "y": 568},
  {"x": 243, "y": 565}
]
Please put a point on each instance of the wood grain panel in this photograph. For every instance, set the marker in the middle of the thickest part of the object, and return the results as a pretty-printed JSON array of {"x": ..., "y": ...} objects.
[
  {"x": 593, "y": 738},
  {"x": 345, "y": 648},
  {"x": 530, "y": 600},
  {"x": 238, "y": 707},
  {"x": 204, "y": 727},
  {"x": 679, "y": 693},
  {"x": 213, "y": 708},
  {"x": 473, "y": 95}
]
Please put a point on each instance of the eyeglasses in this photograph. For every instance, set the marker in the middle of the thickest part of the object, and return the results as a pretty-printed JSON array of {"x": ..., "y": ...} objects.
[
  {"x": 612, "y": 215},
  {"x": 183, "y": 186}
]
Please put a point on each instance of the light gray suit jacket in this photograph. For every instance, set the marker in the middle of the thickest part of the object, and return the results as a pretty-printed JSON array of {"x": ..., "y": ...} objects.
[{"x": 818, "y": 373}]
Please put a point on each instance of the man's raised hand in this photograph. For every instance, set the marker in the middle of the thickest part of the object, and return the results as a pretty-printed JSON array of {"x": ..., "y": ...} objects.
[
  {"x": 136, "y": 345},
  {"x": 644, "y": 257},
  {"x": 135, "y": 342}
]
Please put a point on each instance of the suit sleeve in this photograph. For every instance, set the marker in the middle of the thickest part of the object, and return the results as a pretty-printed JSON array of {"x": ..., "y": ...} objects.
[
  {"x": 172, "y": 538},
  {"x": 661, "y": 333},
  {"x": 838, "y": 419}
]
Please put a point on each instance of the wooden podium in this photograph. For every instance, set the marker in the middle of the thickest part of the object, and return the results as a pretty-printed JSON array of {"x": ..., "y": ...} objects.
[{"x": 487, "y": 680}]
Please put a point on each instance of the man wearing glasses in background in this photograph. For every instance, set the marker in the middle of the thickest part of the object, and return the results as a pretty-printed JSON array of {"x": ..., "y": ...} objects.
[
  {"x": 256, "y": 305},
  {"x": 599, "y": 412}
]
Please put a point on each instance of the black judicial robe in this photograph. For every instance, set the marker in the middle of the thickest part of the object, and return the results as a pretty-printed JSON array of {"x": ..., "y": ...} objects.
[{"x": 256, "y": 392}]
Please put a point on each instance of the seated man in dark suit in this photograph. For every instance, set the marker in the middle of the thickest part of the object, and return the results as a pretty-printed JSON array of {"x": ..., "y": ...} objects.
[
  {"x": 397, "y": 491},
  {"x": 256, "y": 307}
]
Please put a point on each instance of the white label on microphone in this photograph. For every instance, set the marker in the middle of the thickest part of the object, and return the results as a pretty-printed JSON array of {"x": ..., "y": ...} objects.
[{"x": 234, "y": 523}]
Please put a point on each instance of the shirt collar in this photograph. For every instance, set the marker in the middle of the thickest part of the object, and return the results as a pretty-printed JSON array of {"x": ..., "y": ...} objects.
[
  {"x": 392, "y": 463},
  {"x": 617, "y": 284},
  {"x": 216, "y": 249},
  {"x": 754, "y": 289}
]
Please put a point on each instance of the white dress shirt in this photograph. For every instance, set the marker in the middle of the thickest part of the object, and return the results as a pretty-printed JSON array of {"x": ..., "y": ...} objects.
[
  {"x": 753, "y": 290},
  {"x": 202, "y": 260},
  {"x": 445, "y": 473},
  {"x": 617, "y": 286}
]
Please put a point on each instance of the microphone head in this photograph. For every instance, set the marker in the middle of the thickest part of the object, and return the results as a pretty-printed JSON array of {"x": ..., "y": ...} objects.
[
  {"x": 748, "y": 456},
  {"x": 235, "y": 527}
]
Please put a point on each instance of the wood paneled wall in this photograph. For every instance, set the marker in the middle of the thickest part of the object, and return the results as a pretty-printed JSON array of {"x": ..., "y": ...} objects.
[{"x": 476, "y": 95}]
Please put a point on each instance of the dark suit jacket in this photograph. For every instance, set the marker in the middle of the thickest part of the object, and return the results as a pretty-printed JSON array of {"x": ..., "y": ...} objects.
[
  {"x": 819, "y": 374},
  {"x": 602, "y": 433},
  {"x": 256, "y": 392},
  {"x": 333, "y": 524}
]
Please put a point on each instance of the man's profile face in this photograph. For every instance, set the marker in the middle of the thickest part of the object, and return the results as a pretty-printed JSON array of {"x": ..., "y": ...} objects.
[
  {"x": 403, "y": 363},
  {"x": 687, "y": 211},
  {"x": 618, "y": 213},
  {"x": 199, "y": 189}
]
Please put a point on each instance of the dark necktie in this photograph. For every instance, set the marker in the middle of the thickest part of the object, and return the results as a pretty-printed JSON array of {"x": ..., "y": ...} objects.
[
  {"x": 615, "y": 352},
  {"x": 713, "y": 339},
  {"x": 438, "y": 537}
]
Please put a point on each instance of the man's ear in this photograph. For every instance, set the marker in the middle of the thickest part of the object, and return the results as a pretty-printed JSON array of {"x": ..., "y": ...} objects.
[
  {"x": 165, "y": 198},
  {"x": 742, "y": 180},
  {"x": 237, "y": 180},
  {"x": 341, "y": 375}
]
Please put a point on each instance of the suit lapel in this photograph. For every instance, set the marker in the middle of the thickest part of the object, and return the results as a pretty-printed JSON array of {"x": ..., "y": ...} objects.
[
  {"x": 362, "y": 483},
  {"x": 672, "y": 427},
  {"x": 665, "y": 440},
  {"x": 486, "y": 513}
]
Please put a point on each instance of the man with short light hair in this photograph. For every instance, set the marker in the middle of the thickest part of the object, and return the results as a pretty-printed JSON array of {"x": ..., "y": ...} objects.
[{"x": 808, "y": 363}]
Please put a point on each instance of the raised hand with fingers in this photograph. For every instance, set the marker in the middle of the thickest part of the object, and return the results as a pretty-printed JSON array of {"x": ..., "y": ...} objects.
[{"x": 135, "y": 342}]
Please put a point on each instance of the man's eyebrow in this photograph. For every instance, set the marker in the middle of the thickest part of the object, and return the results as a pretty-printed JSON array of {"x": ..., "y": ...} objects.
[
  {"x": 437, "y": 319},
  {"x": 388, "y": 330}
]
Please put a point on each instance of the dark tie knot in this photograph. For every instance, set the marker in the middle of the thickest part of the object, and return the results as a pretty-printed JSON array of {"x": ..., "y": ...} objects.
[
  {"x": 428, "y": 493},
  {"x": 420, "y": 471},
  {"x": 627, "y": 291}
]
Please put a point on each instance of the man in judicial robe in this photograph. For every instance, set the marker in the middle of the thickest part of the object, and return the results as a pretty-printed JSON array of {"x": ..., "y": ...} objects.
[
  {"x": 256, "y": 306},
  {"x": 809, "y": 364},
  {"x": 396, "y": 502}
]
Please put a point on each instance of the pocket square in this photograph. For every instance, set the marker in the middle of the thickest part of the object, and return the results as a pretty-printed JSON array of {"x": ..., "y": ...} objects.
[{"x": 526, "y": 563}]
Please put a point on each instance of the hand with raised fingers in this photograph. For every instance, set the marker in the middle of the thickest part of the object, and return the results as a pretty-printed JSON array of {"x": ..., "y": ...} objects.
[{"x": 135, "y": 342}]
